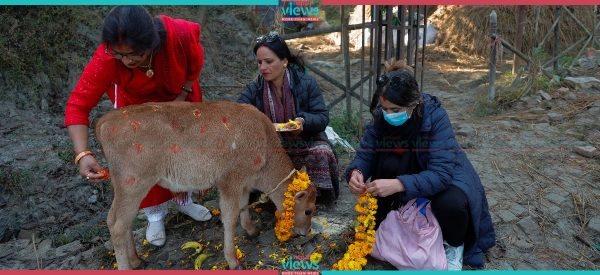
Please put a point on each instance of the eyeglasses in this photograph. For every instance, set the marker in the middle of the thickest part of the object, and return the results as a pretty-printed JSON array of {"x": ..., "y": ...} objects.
[
  {"x": 131, "y": 56},
  {"x": 268, "y": 38}
]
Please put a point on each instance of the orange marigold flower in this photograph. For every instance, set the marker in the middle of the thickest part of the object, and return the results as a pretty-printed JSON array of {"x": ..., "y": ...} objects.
[{"x": 215, "y": 212}]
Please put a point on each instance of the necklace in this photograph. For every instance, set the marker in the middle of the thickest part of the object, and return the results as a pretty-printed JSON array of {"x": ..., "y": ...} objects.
[{"x": 149, "y": 72}]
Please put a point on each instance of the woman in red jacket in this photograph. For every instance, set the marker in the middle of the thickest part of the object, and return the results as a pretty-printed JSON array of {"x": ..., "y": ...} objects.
[{"x": 142, "y": 59}]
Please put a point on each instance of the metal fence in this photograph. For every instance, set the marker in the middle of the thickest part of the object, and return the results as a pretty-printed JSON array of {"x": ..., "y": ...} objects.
[{"x": 406, "y": 20}]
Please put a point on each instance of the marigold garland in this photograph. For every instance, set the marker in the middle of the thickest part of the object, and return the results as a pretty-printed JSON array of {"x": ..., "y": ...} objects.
[
  {"x": 364, "y": 236},
  {"x": 285, "y": 221}
]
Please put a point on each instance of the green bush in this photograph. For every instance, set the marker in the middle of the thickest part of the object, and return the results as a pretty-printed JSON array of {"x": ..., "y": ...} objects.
[{"x": 348, "y": 130}]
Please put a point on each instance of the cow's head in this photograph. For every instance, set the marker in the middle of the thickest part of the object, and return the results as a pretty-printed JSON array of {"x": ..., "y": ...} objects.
[{"x": 304, "y": 209}]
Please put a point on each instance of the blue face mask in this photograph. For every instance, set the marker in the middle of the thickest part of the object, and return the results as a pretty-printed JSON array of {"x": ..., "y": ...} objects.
[{"x": 395, "y": 119}]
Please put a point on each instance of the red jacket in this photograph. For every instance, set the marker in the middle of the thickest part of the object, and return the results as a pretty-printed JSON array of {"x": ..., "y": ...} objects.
[{"x": 180, "y": 58}]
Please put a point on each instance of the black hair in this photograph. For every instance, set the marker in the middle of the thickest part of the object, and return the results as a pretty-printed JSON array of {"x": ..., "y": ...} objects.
[
  {"x": 398, "y": 85},
  {"x": 134, "y": 27},
  {"x": 275, "y": 43}
]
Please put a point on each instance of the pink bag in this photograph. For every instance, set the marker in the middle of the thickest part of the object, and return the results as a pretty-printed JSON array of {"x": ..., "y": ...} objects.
[{"x": 411, "y": 240}]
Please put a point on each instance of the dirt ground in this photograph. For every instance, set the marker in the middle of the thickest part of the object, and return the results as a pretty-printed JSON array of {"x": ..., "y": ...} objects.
[{"x": 544, "y": 197}]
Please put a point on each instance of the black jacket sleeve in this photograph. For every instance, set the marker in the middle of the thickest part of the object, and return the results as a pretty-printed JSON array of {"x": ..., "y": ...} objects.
[{"x": 314, "y": 113}]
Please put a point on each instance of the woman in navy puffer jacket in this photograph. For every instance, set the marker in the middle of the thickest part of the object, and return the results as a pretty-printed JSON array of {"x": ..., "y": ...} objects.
[{"x": 410, "y": 151}]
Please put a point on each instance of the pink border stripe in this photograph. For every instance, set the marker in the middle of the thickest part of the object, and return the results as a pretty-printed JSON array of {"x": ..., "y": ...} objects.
[
  {"x": 460, "y": 2},
  {"x": 139, "y": 272}
]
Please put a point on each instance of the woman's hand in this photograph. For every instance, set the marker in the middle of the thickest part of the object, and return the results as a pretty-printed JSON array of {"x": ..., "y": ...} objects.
[
  {"x": 186, "y": 90},
  {"x": 357, "y": 182},
  {"x": 91, "y": 170},
  {"x": 384, "y": 187},
  {"x": 181, "y": 97}
]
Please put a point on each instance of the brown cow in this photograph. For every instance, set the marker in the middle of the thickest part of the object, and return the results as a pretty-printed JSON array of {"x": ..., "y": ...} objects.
[{"x": 186, "y": 146}]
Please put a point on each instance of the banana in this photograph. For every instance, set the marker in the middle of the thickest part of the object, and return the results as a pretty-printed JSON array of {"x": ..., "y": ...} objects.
[
  {"x": 195, "y": 245},
  {"x": 200, "y": 260}
]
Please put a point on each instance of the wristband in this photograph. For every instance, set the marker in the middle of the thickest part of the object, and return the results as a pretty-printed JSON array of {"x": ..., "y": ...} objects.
[
  {"x": 189, "y": 91},
  {"x": 83, "y": 154}
]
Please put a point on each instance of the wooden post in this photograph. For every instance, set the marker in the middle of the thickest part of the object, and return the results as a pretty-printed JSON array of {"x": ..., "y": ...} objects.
[
  {"x": 389, "y": 25},
  {"x": 519, "y": 37},
  {"x": 346, "y": 52},
  {"x": 423, "y": 49},
  {"x": 400, "y": 34},
  {"x": 362, "y": 71},
  {"x": 411, "y": 34},
  {"x": 556, "y": 39},
  {"x": 492, "y": 73},
  {"x": 378, "y": 40}
]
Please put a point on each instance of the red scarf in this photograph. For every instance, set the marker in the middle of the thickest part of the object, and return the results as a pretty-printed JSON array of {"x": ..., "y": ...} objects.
[{"x": 275, "y": 109}]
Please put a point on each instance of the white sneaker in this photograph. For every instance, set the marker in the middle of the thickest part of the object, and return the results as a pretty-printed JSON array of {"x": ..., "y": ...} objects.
[
  {"x": 195, "y": 211},
  {"x": 454, "y": 256},
  {"x": 155, "y": 233}
]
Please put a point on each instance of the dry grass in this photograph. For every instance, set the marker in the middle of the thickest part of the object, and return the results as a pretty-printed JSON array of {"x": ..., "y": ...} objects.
[{"x": 466, "y": 28}]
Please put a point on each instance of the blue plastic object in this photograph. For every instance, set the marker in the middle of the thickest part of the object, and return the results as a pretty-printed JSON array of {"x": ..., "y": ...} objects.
[{"x": 422, "y": 201}]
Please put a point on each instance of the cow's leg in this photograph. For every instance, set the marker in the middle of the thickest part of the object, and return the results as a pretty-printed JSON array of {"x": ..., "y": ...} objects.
[
  {"x": 230, "y": 211},
  {"x": 123, "y": 210},
  {"x": 245, "y": 219}
]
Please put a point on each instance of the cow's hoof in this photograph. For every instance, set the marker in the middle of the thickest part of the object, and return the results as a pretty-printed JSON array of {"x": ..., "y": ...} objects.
[
  {"x": 142, "y": 265},
  {"x": 252, "y": 236}
]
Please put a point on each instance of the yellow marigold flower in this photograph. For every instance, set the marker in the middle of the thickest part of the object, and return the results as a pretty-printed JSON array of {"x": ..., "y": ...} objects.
[
  {"x": 362, "y": 199},
  {"x": 370, "y": 239},
  {"x": 145, "y": 242},
  {"x": 303, "y": 176},
  {"x": 214, "y": 267},
  {"x": 316, "y": 257},
  {"x": 359, "y": 209},
  {"x": 362, "y": 261},
  {"x": 239, "y": 253}
]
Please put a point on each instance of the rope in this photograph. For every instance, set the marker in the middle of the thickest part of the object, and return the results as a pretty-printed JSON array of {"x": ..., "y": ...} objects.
[{"x": 264, "y": 197}]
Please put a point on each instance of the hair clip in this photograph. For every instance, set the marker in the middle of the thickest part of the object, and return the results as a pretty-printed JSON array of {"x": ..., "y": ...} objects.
[{"x": 382, "y": 80}]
